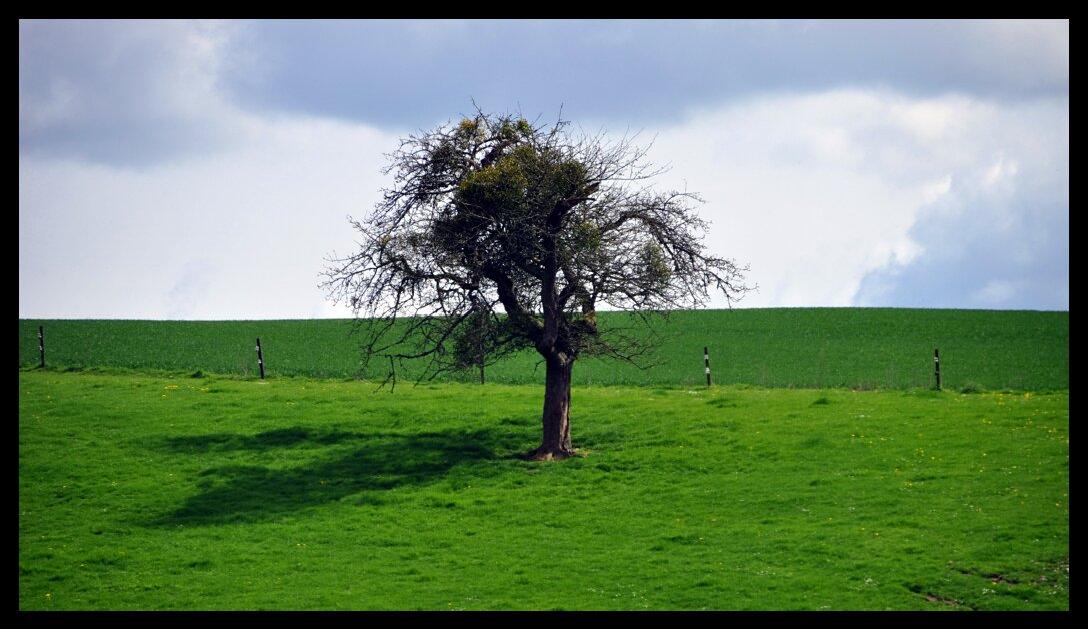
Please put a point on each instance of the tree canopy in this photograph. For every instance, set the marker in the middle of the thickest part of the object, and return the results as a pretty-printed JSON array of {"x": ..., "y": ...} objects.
[{"x": 499, "y": 235}]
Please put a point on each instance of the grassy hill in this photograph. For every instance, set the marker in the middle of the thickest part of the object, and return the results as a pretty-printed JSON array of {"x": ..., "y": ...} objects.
[
  {"x": 795, "y": 347},
  {"x": 151, "y": 489},
  {"x": 150, "y": 493}
]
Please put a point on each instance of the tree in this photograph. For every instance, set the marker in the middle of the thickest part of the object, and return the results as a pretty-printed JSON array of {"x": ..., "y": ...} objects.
[{"x": 547, "y": 224}]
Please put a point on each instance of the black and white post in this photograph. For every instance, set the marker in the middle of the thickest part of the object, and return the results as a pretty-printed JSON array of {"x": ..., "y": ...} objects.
[
  {"x": 937, "y": 367},
  {"x": 480, "y": 356},
  {"x": 41, "y": 347},
  {"x": 706, "y": 362},
  {"x": 260, "y": 357}
]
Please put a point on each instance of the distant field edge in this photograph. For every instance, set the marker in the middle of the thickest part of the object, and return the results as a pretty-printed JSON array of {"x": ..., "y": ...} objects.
[{"x": 809, "y": 348}]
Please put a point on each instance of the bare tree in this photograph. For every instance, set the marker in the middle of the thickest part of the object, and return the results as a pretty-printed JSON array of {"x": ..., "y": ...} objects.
[{"x": 548, "y": 224}]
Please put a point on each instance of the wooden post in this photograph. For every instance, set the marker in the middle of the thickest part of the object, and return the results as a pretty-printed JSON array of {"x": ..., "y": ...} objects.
[
  {"x": 706, "y": 362},
  {"x": 937, "y": 367},
  {"x": 260, "y": 357},
  {"x": 41, "y": 347},
  {"x": 480, "y": 354}
]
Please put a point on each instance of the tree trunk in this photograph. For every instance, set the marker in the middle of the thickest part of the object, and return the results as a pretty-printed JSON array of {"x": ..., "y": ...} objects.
[{"x": 556, "y": 417}]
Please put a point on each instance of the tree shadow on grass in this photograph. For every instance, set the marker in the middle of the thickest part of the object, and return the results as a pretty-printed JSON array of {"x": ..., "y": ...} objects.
[
  {"x": 283, "y": 437},
  {"x": 357, "y": 462}
]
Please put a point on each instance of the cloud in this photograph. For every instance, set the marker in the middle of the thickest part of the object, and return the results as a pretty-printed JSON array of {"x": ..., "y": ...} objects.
[
  {"x": 204, "y": 170},
  {"x": 240, "y": 234},
  {"x": 190, "y": 289},
  {"x": 139, "y": 93},
  {"x": 129, "y": 93},
  {"x": 397, "y": 73},
  {"x": 998, "y": 236},
  {"x": 846, "y": 197},
  {"x": 875, "y": 198}
]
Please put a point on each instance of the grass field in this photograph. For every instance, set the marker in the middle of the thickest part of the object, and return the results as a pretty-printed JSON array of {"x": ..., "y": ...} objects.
[
  {"x": 154, "y": 492},
  {"x": 802, "y": 347}
]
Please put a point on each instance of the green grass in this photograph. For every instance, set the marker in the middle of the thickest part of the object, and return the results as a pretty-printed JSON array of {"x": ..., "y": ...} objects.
[
  {"x": 802, "y": 347},
  {"x": 148, "y": 492}
]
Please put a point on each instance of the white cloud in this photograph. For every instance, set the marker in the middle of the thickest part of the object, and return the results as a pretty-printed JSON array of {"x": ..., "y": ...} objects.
[
  {"x": 816, "y": 191},
  {"x": 995, "y": 292},
  {"x": 239, "y": 234}
]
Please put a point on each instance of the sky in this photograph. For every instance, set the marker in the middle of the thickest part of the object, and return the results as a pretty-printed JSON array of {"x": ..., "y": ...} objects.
[{"x": 207, "y": 169}]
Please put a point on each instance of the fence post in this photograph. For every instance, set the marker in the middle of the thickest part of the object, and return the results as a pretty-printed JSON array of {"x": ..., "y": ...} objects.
[
  {"x": 260, "y": 357},
  {"x": 41, "y": 346},
  {"x": 706, "y": 362},
  {"x": 480, "y": 355},
  {"x": 937, "y": 367}
]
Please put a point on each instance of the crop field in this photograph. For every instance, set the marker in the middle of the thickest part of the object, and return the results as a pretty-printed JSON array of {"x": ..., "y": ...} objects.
[
  {"x": 803, "y": 347},
  {"x": 152, "y": 492}
]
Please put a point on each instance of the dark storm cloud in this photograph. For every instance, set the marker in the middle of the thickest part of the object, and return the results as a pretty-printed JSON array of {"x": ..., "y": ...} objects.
[
  {"x": 412, "y": 73},
  {"x": 122, "y": 93},
  {"x": 135, "y": 92}
]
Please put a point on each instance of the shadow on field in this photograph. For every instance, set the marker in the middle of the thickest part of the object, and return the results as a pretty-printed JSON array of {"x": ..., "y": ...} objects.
[
  {"x": 361, "y": 461},
  {"x": 263, "y": 441}
]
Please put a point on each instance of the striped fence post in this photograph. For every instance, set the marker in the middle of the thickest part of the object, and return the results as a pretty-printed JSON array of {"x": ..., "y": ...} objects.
[
  {"x": 937, "y": 367},
  {"x": 260, "y": 357}
]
